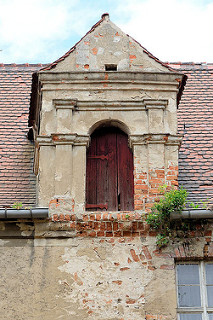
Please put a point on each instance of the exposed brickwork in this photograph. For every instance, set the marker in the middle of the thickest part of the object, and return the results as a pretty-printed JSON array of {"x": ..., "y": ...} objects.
[
  {"x": 105, "y": 224},
  {"x": 17, "y": 181},
  {"x": 147, "y": 184}
]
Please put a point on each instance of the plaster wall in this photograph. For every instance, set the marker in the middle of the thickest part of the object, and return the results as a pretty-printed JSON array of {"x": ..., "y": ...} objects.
[
  {"x": 47, "y": 277},
  {"x": 74, "y": 105},
  {"x": 107, "y": 44},
  {"x": 102, "y": 265},
  {"x": 79, "y": 95}
]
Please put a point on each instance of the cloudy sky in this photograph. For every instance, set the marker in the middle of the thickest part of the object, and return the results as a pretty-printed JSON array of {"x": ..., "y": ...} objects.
[{"x": 40, "y": 31}]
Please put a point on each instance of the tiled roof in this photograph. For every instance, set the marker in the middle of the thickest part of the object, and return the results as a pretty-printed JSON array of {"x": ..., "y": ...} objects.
[
  {"x": 195, "y": 119},
  {"x": 17, "y": 181},
  {"x": 195, "y": 114}
]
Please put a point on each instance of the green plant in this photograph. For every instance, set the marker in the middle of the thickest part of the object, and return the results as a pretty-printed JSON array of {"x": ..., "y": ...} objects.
[
  {"x": 194, "y": 205},
  {"x": 159, "y": 217},
  {"x": 197, "y": 205},
  {"x": 17, "y": 205},
  {"x": 205, "y": 204}
]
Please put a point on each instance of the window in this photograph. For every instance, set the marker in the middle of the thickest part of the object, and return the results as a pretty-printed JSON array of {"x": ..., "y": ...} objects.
[
  {"x": 109, "y": 180},
  {"x": 195, "y": 291},
  {"x": 111, "y": 67}
]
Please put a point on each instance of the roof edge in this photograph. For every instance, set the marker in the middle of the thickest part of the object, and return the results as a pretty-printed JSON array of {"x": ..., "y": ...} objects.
[
  {"x": 54, "y": 64},
  {"x": 105, "y": 16}
]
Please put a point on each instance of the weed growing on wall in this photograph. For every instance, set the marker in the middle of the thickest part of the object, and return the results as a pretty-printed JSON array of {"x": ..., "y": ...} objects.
[
  {"x": 17, "y": 205},
  {"x": 159, "y": 218}
]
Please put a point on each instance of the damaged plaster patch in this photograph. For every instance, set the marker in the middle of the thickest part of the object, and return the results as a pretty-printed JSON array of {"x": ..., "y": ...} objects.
[
  {"x": 3, "y": 242},
  {"x": 116, "y": 39},
  {"x": 123, "y": 64},
  {"x": 106, "y": 283},
  {"x": 118, "y": 53},
  {"x": 100, "y": 50}
]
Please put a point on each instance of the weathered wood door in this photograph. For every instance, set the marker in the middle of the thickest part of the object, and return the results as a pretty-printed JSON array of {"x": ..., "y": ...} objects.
[{"x": 109, "y": 181}]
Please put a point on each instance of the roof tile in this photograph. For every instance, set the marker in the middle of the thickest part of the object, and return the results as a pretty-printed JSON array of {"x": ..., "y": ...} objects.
[
  {"x": 17, "y": 181},
  {"x": 195, "y": 120}
]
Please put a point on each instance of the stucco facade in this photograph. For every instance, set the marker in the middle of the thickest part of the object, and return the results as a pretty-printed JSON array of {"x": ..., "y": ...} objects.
[
  {"x": 98, "y": 265},
  {"x": 78, "y": 96}
]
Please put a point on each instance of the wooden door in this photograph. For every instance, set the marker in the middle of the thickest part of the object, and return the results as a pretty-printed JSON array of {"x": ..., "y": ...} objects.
[{"x": 109, "y": 180}]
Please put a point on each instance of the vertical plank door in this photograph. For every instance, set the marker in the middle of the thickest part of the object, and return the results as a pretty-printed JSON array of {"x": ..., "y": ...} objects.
[
  {"x": 125, "y": 173},
  {"x": 109, "y": 184}
]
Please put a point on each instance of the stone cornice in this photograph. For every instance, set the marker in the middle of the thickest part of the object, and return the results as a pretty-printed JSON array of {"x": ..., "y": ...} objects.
[
  {"x": 110, "y": 76},
  {"x": 63, "y": 139},
  {"x": 100, "y": 105},
  {"x": 153, "y": 138}
]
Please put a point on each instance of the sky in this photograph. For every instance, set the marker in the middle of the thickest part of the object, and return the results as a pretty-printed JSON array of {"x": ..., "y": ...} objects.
[{"x": 41, "y": 31}]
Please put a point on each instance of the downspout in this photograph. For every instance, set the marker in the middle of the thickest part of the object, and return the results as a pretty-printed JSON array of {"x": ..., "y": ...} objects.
[
  {"x": 193, "y": 214},
  {"x": 34, "y": 213}
]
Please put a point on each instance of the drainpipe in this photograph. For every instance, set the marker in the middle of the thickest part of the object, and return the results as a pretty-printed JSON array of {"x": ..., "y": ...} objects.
[
  {"x": 34, "y": 213},
  {"x": 193, "y": 214}
]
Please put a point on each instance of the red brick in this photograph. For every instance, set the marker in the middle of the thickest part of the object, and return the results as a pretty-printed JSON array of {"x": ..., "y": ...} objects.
[
  {"x": 72, "y": 225},
  {"x": 127, "y": 233},
  {"x": 134, "y": 255},
  {"x": 98, "y": 216},
  {"x": 92, "y": 217},
  {"x": 105, "y": 217},
  {"x": 92, "y": 234},
  {"x": 109, "y": 234},
  {"x": 117, "y": 234},
  {"x": 61, "y": 217},
  {"x": 67, "y": 217},
  {"x": 146, "y": 252},
  {"x": 109, "y": 226},
  {"x": 115, "y": 226},
  {"x": 103, "y": 226},
  {"x": 100, "y": 234},
  {"x": 124, "y": 268},
  {"x": 85, "y": 217},
  {"x": 96, "y": 225},
  {"x": 151, "y": 268},
  {"x": 166, "y": 267},
  {"x": 130, "y": 301},
  {"x": 119, "y": 282},
  {"x": 55, "y": 217}
]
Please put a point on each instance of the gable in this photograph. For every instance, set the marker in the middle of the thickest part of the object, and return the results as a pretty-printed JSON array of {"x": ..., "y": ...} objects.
[{"x": 106, "y": 44}]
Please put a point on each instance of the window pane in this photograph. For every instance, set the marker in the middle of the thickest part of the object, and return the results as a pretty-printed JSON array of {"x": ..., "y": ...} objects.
[
  {"x": 209, "y": 273},
  {"x": 189, "y": 296},
  {"x": 210, "y": 316},
  {"x": 210, "y": 296},
  {"x": 188, "y": 273},
  {"x": 191, "y": 316}
]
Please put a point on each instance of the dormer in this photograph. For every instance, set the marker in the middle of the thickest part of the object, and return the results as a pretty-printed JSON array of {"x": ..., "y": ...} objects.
[{"x": 105, "y": 123}]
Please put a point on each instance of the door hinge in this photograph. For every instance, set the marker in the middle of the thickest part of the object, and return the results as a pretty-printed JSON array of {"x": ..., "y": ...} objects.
[
  {"x": 102, "y": 157},
  {"x": 94, "y": 206}
]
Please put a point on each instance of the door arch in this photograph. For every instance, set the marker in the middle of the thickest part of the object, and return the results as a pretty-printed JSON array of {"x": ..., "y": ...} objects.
[{"x": 109, "y": 172}]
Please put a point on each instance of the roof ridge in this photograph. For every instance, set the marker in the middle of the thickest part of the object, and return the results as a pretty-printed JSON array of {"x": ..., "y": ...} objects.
[
  {"x": 103, "y": 17},
  {"x": 22, "y": 64},
  {"x": 189, "y": 63},
  {"x": 53, "y": 64}
]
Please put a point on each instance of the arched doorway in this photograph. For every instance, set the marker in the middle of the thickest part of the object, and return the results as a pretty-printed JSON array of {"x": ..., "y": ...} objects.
[{"x": 109, "y": 173}]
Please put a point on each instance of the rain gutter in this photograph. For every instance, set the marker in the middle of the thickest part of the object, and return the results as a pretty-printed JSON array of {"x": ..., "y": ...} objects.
[
  {"x": 34, "y": 213},
  {"x": 193, "y": 214}
]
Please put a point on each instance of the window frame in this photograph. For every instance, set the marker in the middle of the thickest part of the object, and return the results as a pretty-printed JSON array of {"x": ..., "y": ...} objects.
[
  {"x": 126, "y": 202},
  {"x": 204, "y": 309}
]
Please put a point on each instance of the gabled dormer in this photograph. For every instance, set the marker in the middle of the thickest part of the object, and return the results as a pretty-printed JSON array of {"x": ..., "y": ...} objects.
[{"x": 107, "y": 92}]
